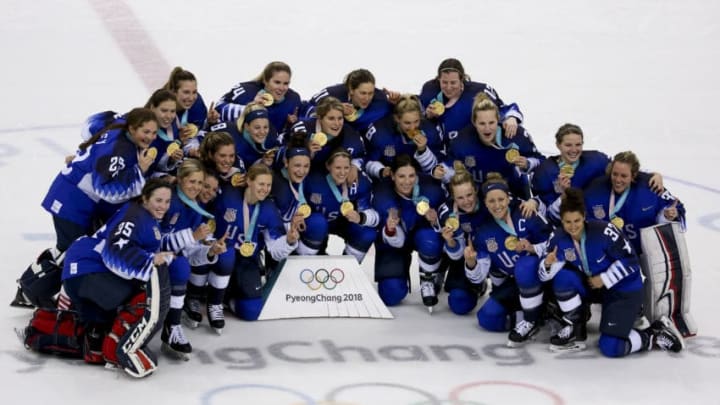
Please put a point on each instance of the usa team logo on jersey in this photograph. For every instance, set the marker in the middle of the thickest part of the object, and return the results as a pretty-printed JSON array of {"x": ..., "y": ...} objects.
[
  {"x": 390, "y": 151},
  {"x": 157, "y": 232},
  {"x": 492, "y": 245},
  {"x": 316, "y": 198},
  {"x": 599, "y": 211},
  {"x": 174, "y": 218},
  {"x": 230, "y": 214},
  {"x": 469, "y": 161},
  {"x": 570, "y": 254}
]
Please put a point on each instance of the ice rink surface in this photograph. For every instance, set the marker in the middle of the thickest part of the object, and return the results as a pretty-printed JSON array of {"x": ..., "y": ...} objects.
[{"x": 638, "y": 76}]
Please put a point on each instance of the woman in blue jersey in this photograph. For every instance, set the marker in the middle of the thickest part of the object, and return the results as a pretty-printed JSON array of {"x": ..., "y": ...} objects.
[
  {"x": 573, "y": 167},
  {"x": 407, "y": 207},
  {"x": 592, "y": 262},
  {"x": 628, "y": 202},
  {"x": 362, "y": 102},
  {"x": 217, "y": 152},
  {"x": 403, "y": 132},
  {"x": 192, "y": 113},
  {"x": 168, "y": 144},
  {"x": 252, "y": 222},
  {"x": 271, "y": 89},
  {"x": 119, "y": 273},
  {"x": 507, "y": 247},
  {"x": 485, "y": 147},
  {"x": 344, "y": 206},
  {"x": 448, "y": 100},
  {"x": 328, "y": 131}
]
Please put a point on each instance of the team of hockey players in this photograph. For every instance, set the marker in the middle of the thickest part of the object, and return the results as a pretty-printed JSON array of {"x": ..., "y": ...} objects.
[{"x": 177, "y": 211}]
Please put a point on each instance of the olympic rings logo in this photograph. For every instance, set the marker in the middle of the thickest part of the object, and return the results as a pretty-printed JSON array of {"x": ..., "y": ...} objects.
[{"x": 322, "y": 278}]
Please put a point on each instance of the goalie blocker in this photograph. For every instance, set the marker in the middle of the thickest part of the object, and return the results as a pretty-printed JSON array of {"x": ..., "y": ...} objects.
[{"x": 666, "y": 267}]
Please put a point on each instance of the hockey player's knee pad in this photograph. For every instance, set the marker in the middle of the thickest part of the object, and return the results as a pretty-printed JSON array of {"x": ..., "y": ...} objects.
[
  {"x": 611, "y": 346},
  {"x": 361, "y": 237},
  {"x": 461, "y": 301},
  {"x": 316, "y": 230},
  {"x": 392, "y": 290},
  {"x": 42, "y": 280},
  {"x": 179, "y": 271},
  {"x": 428, "y": 243},
  {"x": 247, "y": 309},
  {"x": 567, "y": 282},
  {"x": 225, "y": 263},
  {"x": 492, "y": 316}
]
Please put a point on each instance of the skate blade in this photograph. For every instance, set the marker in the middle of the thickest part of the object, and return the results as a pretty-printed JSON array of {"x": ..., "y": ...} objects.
[
  {"x": 174, "y": 354},
  {"x": 192, "y": 324},
  {"x": 219, "y": 331},
  {"x": 16, "y": 303},
  {"x": 515, "y": 345},
  {"x": 568, "y": 348}
]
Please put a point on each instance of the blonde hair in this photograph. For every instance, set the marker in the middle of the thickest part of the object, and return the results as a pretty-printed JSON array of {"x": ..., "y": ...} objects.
[
  {"x": 483, "y": 103},
  {"x": 407, "y": 103},
  {"x": 461, "y": 176}
]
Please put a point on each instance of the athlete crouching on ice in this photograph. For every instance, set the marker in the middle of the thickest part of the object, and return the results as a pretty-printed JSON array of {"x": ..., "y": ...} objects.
[
  {"x": 118, "y": 281},
  {"x": 592, "y": 262},
  {"x": 508, "y": 247}
]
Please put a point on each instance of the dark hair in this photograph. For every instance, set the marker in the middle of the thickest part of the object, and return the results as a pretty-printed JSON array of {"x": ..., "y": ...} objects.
[
  {"x": 567, "y": 129},
  {"x": 151, "y": 185},
  {"x": 403, "y": 160},
  {"x": 572, "y": 201},
  {"x": 297, "y": 145},
  {"x": 628, "y": 158},
  {"x": 357, "y": 77},
  {"x": 452, "y": 65},
  {"x": 270, "y": 70},
  {"x": 178, "y": 75},
  {"x": 159, "y": 96},
  {"x": 134, "y": 119},
  {"x": 336, "y": 153},
  {"x": 211, "y": 143}
]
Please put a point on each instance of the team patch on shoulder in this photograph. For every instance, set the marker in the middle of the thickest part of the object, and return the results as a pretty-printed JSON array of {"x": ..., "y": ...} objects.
[
  {"x": 389, "y": 151},
  {"x": 470, "y": 161},
  {"x": 230, "y": 214},
  {"x": 157, "y": 232},
  {"x": 570, "y": 254},
  {"x": 174, "y": 218},
  {"x": 492, "y": 245},
  {"x": 598, "y": 211}
]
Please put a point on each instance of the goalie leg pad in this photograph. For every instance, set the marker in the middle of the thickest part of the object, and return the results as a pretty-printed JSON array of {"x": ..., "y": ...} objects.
[
  {"x": 54, "y": 332},
  {"x": 40, "y": 282},
  {"x": 666, "y": 266}
]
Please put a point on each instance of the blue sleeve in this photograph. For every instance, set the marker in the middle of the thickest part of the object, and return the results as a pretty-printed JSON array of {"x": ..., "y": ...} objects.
[
  {"x": 117, "y": 176},
  {"x": 127, "y": 252}
]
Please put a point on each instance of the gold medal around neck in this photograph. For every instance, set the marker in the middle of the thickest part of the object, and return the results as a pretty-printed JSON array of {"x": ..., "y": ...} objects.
[
  {"x": 438, "y": 107},
  {"x": 212, "y": 225},
  {"x": 236, "y": 180},
  {"x": 511, "y": 155},
  {"x": 304, "y": 210},
  {"x": 618, "y": 222},
  {"x": 172, "y": 148},
  {"x": 193, "y": 130},
  {"x": 247, "y": 249},
  {"x": 511, "y": 243},
  {"x": 346, "y": 207},
  {"x": 453, "y": 223},
  {"x": 352, "y": 117},
  {"x": 152, "y": 152},
  {"x": 268, "y": 99},
  {"x": 567, "y": 170},
  {"x": 320, "y": 138},
  {"x": 422, "y": 207}
]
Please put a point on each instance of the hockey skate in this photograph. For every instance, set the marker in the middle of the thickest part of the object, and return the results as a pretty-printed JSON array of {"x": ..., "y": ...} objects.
[
  {"x": 665, "y": 336},
  {"x": 174, "y": 342},
  {"x": 523, "y": 332},
  {"x": 21, "y": 301},
  {"x": 216, "y": 317},
  {"x": 428, "y": 292},
  {"x": 192, "y": 313},
  {"x": 570, "y": 338}
]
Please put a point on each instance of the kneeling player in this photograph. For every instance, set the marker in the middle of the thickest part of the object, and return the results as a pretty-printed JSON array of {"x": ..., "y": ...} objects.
[{"x": 591, "y": 261}]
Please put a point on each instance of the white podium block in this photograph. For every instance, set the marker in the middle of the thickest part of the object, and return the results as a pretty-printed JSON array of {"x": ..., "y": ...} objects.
[{"x": 323, "y": 287}]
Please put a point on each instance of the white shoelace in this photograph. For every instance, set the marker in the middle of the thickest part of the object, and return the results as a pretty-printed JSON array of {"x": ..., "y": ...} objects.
[
  {"x": 177, "y": 335},
  {"x": 215, "y": 312},
  {"x": 524, "y": 327},
  {"x": 427, "y": 289}
]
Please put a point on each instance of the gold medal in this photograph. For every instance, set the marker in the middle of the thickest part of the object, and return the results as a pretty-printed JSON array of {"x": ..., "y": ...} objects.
[
  {"x": 511, "y": 155},
  {"x": 452, "y": 223},
  {"x": 422, "y": 207},
  {"x": 193, "y": 130},
  {"x": 352, "y": 117},
  {"x": 320, "y": 138},
  {"x": 236, "y": 180},
  {"x": 247, "y": 249},
  {"x": 212, "y": 225},
  {"x": 438, "y": 107},
  {"x": 268, "y": 99},
  {"x": 152, "y": 152},
  {"x": 567, "y": 170},
  {"x": 511, "y": 243},
  {"x": 618, "y": 222},
  {"x": 304, "y": 210},
  {"x": 172, "y": 148},
  {"x": 413, "y": 133},
  {"x": 346, "y": 207}
]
